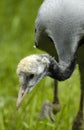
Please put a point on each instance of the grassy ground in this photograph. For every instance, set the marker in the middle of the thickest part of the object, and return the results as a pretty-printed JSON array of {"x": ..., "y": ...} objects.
[{"x": 16, "y": 41}]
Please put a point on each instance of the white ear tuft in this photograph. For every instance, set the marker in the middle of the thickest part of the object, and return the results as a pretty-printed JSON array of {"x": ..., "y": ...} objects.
[{"x": 45, "y": 60}]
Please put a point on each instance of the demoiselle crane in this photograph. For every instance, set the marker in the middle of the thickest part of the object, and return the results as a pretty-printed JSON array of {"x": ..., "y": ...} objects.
[{"x": 59, "y": 30}]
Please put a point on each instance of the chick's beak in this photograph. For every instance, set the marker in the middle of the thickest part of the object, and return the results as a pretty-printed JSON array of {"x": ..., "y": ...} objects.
[{"x": 21, "y": 95}]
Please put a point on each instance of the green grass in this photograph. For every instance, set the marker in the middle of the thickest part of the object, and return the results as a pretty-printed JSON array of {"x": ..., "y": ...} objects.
[{"x": 16, "y": 41}]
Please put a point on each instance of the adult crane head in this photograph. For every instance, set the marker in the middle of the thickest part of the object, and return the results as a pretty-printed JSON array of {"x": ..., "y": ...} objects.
[
  {"x": 33, "y": 68},
  {"x": 30, "y": 71}
]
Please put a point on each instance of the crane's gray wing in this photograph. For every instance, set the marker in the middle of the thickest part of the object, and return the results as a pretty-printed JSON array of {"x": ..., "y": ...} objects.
[
  {"x": 59, "y": 27},
  {"x": 43, "y": 41}
]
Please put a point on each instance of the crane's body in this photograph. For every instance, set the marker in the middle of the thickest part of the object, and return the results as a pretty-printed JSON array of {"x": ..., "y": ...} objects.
[
  {"x": 59, "y": 30},
  {"x": 59, "y": 27}
]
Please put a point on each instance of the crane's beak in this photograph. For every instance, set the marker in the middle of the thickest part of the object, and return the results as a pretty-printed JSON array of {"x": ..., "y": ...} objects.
[{"x": 21, "y": 95}]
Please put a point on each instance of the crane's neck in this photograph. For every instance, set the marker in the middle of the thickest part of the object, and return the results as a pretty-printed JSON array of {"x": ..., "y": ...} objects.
[{"x": 60, "y": 71}]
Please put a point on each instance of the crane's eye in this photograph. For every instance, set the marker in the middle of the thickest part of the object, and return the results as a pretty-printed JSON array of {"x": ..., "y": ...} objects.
[{"x": 31, "y": 76}]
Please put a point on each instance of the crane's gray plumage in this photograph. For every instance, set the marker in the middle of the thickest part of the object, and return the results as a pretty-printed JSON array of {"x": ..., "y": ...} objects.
[
  {"x": 59, "y": 30},
  {"x": 60, "y": 23}
]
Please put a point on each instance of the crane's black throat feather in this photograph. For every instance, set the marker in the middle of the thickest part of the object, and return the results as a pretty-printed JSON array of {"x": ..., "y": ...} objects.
[{"x": 61, "y": 71}]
